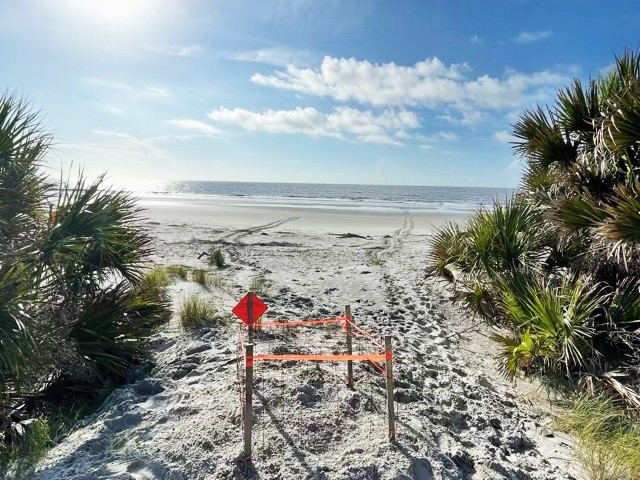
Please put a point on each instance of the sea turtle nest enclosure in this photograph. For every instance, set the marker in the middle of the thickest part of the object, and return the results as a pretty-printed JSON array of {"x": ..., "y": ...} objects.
[{"x": 322, "y": 354}]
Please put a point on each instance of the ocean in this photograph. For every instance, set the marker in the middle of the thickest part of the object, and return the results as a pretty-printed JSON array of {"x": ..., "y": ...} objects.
[{"x": 335, "y": 196}]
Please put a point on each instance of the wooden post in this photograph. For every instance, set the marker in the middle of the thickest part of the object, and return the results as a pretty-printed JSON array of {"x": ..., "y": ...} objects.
[
  {"x": 389, "y": 374},
  {"x": 347, "y": 313},
  {"x": 250, "y": 314},
  {"x": 248, "y": 400}
]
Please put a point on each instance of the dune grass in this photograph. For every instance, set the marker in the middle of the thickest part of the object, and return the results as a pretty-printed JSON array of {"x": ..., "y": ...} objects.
[
  {"x": 374, "y": 259},
  {"x": 608, "y": 437},
  {"x": 179, "y": 271},
  {"x": 196, "y": 311},
  {"x": 153, "y": 284},
  {"x": 217, "y": 281},
  {"x": 200, "y": 276},
  {"x": 260, "y": 285},
  {"x": 17, "y": 460}
]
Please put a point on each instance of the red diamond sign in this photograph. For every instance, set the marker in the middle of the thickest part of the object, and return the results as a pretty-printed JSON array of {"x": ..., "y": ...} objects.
[{"x": 241, "y": 310}]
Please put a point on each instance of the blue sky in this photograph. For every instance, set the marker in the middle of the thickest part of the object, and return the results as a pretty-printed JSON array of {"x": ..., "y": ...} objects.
[{"x": 396, "y": 92}]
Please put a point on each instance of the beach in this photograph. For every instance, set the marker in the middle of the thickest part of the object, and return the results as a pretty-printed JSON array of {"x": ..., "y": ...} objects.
[{"x": 457, "y": 417}]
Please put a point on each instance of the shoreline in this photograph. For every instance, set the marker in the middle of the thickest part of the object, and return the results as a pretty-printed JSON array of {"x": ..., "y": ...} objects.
[{"x": 219, "y": 212}]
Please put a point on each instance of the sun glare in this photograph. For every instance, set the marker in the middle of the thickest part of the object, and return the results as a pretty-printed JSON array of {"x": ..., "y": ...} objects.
[{"x": 112, "y": 11}]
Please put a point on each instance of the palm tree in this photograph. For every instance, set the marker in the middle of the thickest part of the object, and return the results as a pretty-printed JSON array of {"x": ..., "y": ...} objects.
[
  {"x": 563, "y": 275},
  {"x": 72, "y": 312}
]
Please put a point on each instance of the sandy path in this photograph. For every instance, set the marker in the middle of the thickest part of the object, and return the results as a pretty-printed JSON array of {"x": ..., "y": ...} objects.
[{"x": 457, "y": 418}]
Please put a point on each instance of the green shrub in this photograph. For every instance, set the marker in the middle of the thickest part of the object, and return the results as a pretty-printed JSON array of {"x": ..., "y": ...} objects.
[
  {"x": 196, "y": 311},
  {"x": 77, "y": 302},
  {"x": 558, "y": 264},
  {"x": 552, "y": 323},
  {"x": 113, "y": 330},
  {"x": 179, "y": 271},
  {"x": 216, "y": 258}
]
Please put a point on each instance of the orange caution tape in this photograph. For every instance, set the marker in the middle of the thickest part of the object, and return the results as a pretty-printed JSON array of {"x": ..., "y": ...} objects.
[
  {"x": 321, "y": 357},
  {"x": 378, "y": 367},
  {"x": 299, "y": 323},
  {"x": 365, "y": 334}
]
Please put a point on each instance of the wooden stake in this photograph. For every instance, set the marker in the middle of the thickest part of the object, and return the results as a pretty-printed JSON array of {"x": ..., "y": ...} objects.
[
  {"x": 347, "y": 313},
  {"x": 248, "y": 400},
  {"x": 250, "y": 314},
  {"x": 389, "y": 375}
]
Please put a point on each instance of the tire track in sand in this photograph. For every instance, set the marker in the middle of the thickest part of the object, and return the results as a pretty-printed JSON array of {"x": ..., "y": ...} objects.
[{"x": 235, "y": 235}]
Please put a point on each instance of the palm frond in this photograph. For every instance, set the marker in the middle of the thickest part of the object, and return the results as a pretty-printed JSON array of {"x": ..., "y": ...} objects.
[
  {"x": 556, "y": 318},
  {"x": 446, "y": 245},
  {"x": 96, "y": 234},
  {"x": 112, "y": 329},
  {"x": 621, "y": 229},
  {"x": 23, "y": 146},
  {"x": 576, "y": 109},
  {"x": 578, "y": 212},
  {"x": 541, "y": 140}
]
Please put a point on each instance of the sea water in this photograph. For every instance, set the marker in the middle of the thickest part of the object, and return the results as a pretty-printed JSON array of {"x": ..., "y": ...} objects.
[{"x": 334, "y": 196}]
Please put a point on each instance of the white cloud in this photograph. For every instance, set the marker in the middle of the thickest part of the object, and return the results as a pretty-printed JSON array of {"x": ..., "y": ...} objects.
[
  {"x": 176, "y": 50},
  {"x": 112, "y": 109},
  {"x": 130, "y": 90},
  {"x": 450, "y": 136},
  {"x": 155, "y": 91},
  {"x": 169, "y": 138},
  {"x": 467, "y": 116},
  {"x": 475, "y": 39},
  {"x": 503, "y": 136},
  {"x": 531, "y": 37},
  {"x": 109, "y": 85},
  {"x": 124, "y": 141},
  {"x": 429, "y": 83},
  {"x": 281, "y": 57},
  {"x": 195, "y": 125},
  {"x": 343, "y": 122}
]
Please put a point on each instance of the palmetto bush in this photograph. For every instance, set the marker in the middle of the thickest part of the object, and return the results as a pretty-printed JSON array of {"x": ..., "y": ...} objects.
[
  {"x": 558, "y": 264},
  {"x": 73, "y": 307}
]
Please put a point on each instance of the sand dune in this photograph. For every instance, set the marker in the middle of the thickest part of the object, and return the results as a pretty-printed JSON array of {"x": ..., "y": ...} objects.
[{"x": 457, "y": 418}]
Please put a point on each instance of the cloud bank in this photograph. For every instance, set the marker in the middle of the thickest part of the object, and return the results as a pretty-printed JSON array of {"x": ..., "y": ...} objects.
[
  {"x": 345, "y": 123},
  {"x": 429, "y": 83}
]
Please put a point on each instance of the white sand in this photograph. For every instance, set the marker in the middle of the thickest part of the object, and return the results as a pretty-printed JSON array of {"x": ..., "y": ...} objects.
[{"x": 458, "y": 419}]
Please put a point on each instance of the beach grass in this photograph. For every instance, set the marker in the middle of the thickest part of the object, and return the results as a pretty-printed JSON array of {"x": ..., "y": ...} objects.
[
  {"x": 260, "y": 285},
  {"x": 179, "y": 271},
  {"x": 374, "y": 259},
  {"x": 217, "y": 281},
  {"x": 608, "y": 437},
  {"x": 196, "y": 311},
  {"x": 153, "y": 284},
  {"x": 200, "y": 276}
]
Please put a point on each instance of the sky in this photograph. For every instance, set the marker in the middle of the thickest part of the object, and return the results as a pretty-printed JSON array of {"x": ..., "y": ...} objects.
[{"x": 323, "y": 91}]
